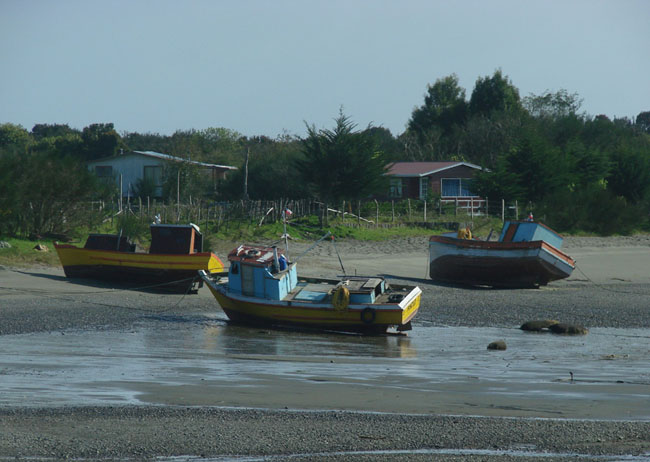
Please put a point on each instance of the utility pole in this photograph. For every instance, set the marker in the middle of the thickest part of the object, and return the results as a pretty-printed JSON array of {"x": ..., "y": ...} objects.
[{"x": 248, "y": 151}]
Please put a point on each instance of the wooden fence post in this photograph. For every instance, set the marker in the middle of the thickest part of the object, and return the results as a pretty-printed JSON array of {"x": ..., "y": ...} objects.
[
  {"x": 359, "y": 214},
  {"x": 516, "y": 210},
  {"x": 503, "y": 210},
  {"x": 377, "y": 213},
  {"x": 425, "y": 211}
]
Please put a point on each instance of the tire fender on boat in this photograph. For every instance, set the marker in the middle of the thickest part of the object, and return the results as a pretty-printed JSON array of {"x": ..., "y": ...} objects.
[
  {"x": 341, "y": 298},
  {"x": 368, "y": 315}
]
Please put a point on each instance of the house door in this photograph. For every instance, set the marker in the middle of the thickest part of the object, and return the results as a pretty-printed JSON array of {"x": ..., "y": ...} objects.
[{"x": 248, "y": 280}]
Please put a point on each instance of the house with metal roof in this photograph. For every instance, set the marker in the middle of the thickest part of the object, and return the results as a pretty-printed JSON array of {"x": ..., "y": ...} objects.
[
  {"x": 415, "y": 180},
  {"x": 128, "y": 168}
]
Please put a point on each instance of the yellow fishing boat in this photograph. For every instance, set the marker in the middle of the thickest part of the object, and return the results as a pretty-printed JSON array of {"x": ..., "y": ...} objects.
[
  {"x": 263, "y": 288},
  {"x": 173, "y": 260}
]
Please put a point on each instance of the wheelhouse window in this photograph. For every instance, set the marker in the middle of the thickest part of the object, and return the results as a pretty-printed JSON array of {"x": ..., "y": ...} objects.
[
  {"x": 457, "y": 187},
  {"x": 395, "y": 187}
]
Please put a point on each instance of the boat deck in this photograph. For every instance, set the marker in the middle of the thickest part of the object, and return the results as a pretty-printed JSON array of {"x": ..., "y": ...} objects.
[{"x": 320, "y": 290}]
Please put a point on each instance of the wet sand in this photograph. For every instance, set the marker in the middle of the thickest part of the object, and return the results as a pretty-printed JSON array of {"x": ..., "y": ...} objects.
[{"x": 610, "y": 288}]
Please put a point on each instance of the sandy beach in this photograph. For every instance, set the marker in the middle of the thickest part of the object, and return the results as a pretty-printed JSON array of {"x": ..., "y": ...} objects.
[{"x": 610, "y": 289}]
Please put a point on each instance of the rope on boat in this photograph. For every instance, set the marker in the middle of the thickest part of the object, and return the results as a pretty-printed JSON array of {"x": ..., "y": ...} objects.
[
  {"x": 338, "y": 255},
  {"x": 327, "y": 234}
]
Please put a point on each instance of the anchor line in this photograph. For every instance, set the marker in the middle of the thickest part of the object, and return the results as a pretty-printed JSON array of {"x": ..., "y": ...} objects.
[{"x": 602, "y": 287}]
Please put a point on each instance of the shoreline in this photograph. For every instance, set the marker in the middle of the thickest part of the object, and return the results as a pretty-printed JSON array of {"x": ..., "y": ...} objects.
[{"x": 42, "y": 300}]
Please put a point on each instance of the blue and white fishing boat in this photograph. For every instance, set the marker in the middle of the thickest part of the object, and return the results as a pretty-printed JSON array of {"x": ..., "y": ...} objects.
[{"x": 527, "y": 254}]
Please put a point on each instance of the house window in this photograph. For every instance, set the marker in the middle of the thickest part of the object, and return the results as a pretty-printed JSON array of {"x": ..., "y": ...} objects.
[
  {"x": 154, "y": 174},
  {"x": 104, "y": 171},
  {"x": 457, "y": 187},
  {"x": 466, "y": 187},
  {"x": 424, "y": 187},
  {"x": 395, "y": 187}
]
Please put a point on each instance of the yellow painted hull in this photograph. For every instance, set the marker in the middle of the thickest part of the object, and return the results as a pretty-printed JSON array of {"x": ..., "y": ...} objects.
[
  {"x": 318, "y": 315},
  {"x": 134, "y": 266}
]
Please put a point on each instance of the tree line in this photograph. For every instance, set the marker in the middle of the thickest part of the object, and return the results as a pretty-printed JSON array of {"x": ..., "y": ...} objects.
[{"x": 581, "y": 172}]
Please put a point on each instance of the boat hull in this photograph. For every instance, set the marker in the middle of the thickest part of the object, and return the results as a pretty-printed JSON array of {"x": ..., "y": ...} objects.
[
  {"x": 497, "y": 264},
  {"x": 176, "y": 272},
  {"x": 370, "y": 318}
]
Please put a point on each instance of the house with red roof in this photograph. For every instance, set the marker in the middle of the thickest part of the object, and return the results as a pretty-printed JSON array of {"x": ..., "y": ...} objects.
[{"x": 415, "y": 180}]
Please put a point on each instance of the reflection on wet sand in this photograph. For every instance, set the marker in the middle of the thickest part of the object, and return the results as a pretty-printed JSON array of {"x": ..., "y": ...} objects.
[
  {"x": 294, "y": 344},
  {"x": 209, "y": 362}
]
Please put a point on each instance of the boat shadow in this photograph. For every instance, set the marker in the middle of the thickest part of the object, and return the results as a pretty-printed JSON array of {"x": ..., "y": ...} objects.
[{"x": 108, "y": 285}]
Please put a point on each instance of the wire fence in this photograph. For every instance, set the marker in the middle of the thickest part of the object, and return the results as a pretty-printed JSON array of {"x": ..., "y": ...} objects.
[{"x": 218, "y": 216}]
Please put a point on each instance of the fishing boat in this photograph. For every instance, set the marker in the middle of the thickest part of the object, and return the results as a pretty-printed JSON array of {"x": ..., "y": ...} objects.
[
  {"x": 527, "y": 254},
  {"x": 172, "y": 262},
  {"x": 263, "y": 288}
]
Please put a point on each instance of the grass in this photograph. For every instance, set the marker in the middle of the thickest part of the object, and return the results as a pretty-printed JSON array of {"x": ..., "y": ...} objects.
[{"x": 23, "y": 254}]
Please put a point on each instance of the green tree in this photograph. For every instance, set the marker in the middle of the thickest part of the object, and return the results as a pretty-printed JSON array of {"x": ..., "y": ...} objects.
[
  {"x": 134, "y": 141},
  {"x": 14, "y": 138},
  {"x": 630, "y": 173},
  {"x": 553, "y": 105},
  {"x": 586, "y": 166},
  {"x": 433, "y": 126},
  {"x": 532, "y": 170},
  {"x": 643, "y": 121},
  {"x": 193, "y": 181},
  {"x": 41, "y": 192},
  {"x": 484, "y": 139},
  {"x": 494, "y": 93},
  {"x": 444, "y": 106},
  {"x": 100, "y": 140},
  {"x": 386, "y": 143},
  {"x": 40, "y": 131},
  {"x": 342, "y": 163},
  {"x": 272, "y": 170}
]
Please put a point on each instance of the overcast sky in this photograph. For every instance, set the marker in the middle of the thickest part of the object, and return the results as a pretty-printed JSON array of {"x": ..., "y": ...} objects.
[{"x": 267, "y": 67}]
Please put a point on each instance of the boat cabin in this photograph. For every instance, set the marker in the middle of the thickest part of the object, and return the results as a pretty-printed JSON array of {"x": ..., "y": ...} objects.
[
  {"x": 527, "y": 231},
  {"x": 175, "y": 239},
  {"x": 261, "y": 272},
  {"x": 165, "y": 239},
  {"x": 109, "y": 242}
]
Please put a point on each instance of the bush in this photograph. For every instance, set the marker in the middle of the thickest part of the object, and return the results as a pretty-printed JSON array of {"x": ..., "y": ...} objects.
[{"x": 594, "y": 210}]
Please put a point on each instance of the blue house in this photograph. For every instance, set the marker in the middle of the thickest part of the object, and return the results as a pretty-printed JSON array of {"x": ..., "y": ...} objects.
[{"x": 127, "y": 169}]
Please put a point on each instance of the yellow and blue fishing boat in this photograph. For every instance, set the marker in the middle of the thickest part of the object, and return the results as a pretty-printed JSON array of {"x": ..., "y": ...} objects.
[
  {"x": 263, "y": 288},
  {"x": 173, "y": 261}
]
